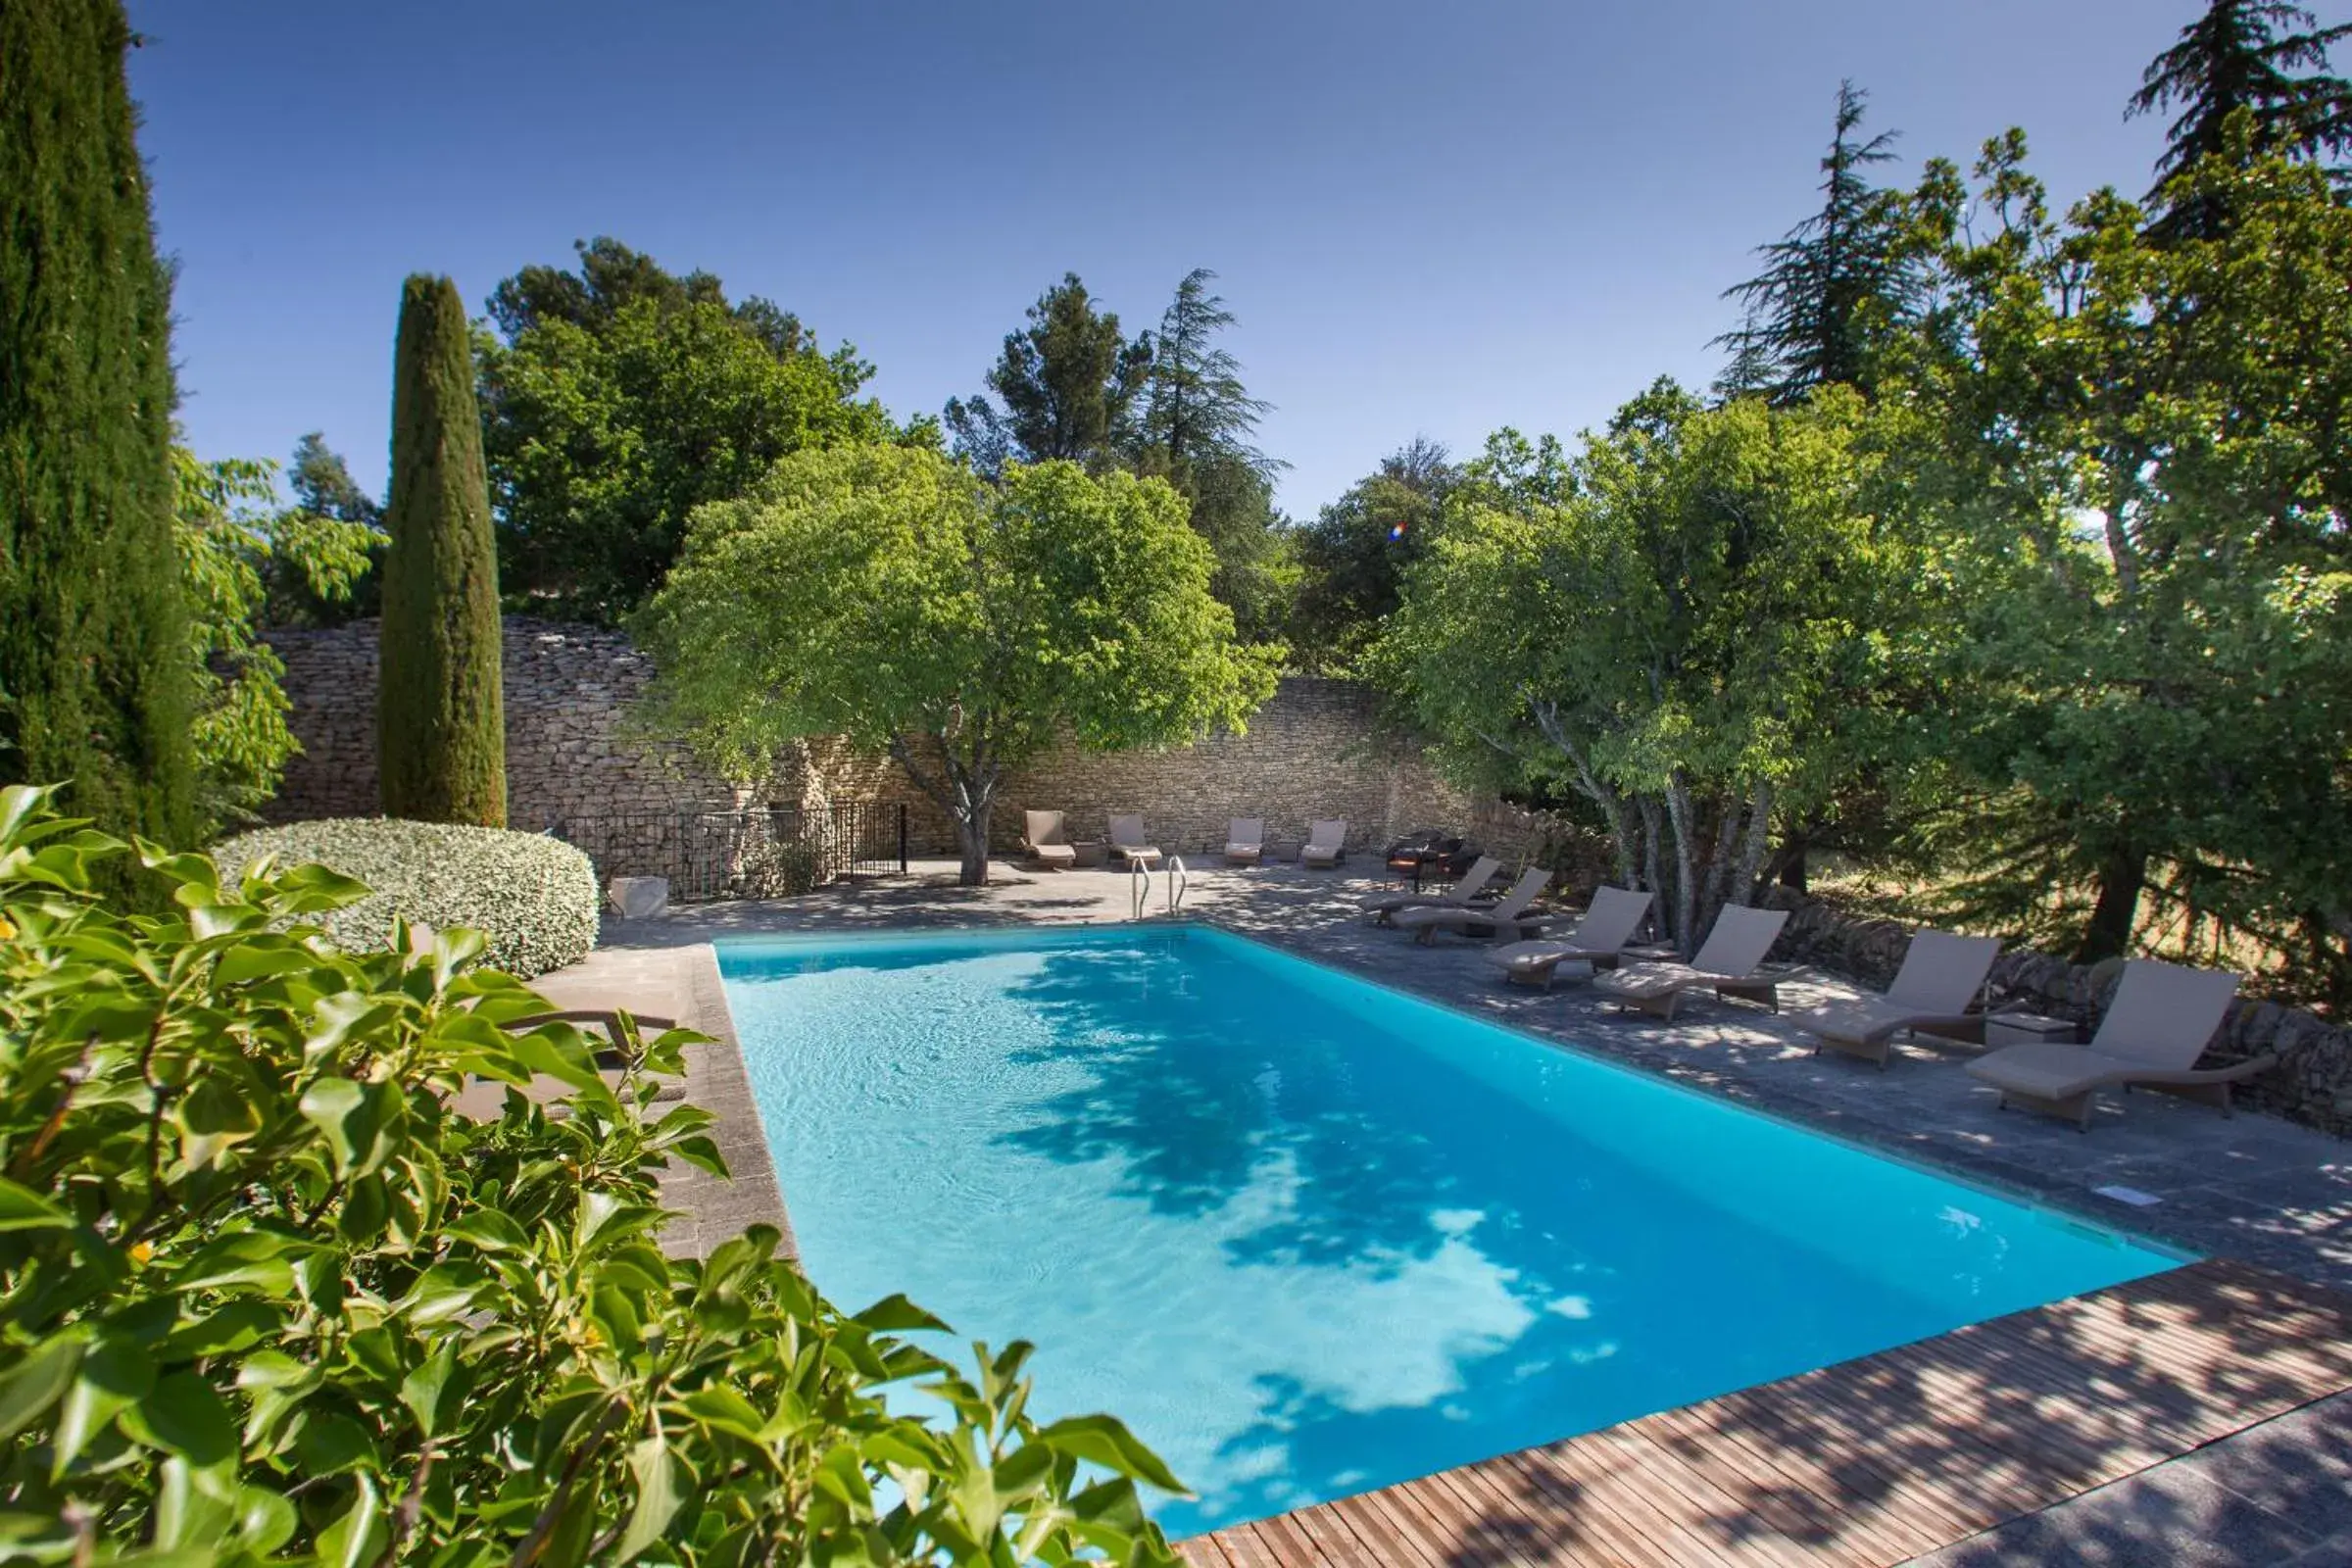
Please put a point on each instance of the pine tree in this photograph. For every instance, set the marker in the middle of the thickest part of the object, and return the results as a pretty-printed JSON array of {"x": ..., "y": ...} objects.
[
  {"x": 1809, "y": 317},
  {"x": 1196, "y": 404},
  {"x": 441, "y": 751},
  {"x": 1069, "y": 384},
  {"x": 94, "y": 649},
  {"x": 2242, "y": 55}
]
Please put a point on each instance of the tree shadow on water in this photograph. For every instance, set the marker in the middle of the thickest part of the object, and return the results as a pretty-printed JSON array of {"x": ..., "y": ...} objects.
[{"x": 1208, "y": 1110}]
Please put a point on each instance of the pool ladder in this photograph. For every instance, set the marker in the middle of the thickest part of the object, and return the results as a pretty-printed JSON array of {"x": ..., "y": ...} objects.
[{"x": 1138, "y": 887}]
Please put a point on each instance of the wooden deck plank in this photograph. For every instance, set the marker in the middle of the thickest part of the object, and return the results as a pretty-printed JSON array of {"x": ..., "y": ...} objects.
[
  {"x": 1722, "y": 1518},
  {"x": 1471, "y": 1526},
  {"x": 1501, "y": 1511},
  {"x": 1823, "y": 1523},
  {"x": 1384, "y": 1529},
  {"x": 1587, "y": 1466},
  {"x": 1866, "y": 1462}
]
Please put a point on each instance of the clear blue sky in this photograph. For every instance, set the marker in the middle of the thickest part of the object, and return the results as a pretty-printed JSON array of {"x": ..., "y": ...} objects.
[{"x": 1428, "y": 219}]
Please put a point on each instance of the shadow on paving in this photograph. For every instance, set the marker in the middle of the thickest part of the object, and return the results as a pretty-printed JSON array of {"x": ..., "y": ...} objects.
[{"x": 2048, "y": 1437}]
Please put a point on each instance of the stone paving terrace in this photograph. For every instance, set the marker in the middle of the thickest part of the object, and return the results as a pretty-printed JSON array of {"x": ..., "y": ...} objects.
[{"x": 2251, "y": 1186}]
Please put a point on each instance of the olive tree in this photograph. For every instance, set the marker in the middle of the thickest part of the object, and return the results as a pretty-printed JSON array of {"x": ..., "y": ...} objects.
[{"x": 887, "y": 595}]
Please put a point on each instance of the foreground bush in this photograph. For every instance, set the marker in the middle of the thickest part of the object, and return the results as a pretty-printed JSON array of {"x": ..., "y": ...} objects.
[
  {"x": 534, "y": 898},
  {"x": 264, "y": 1297}
]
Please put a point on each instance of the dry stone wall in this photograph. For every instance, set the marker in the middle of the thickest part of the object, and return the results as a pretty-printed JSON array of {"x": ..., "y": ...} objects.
[
  {"x": 570, "y": 752},
  {"x": 1316, "y": 750}
]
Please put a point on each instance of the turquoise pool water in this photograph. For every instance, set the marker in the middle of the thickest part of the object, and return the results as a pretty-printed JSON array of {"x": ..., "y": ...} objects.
[{"x": 1310, "y": 1235}]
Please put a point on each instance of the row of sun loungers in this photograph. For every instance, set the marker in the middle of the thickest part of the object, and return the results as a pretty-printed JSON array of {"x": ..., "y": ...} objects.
[
  {"x": 1047, "y": 841},
  {"x": 2156, "y": 1027}
]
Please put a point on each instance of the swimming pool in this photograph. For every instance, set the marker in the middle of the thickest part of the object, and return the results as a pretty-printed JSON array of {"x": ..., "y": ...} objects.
[{"x": 1310, "y": 1235}]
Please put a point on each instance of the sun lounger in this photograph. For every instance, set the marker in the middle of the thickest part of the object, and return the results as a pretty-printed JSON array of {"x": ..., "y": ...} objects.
[
  {"x": 1473, "y": 883},
  {"x": 1245, "y": 841},
  {"x": 2161, "y": 1019},
  {"x": 1324, "y": 845},
  {"x": 1047, "y": 843},
  {"x": 1941, "y": 979},
  {"x": 1508, "y": 915},
  {"x": 1725, "y": 963},
  {"x": 1598, "y": 939},
  {"x": 1128, "y": 846}
]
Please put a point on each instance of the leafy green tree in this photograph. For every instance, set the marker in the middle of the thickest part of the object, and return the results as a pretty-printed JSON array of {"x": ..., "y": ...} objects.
[
  {"x": 441, "y": 740},
  {"x": 1835, "y": 283},
  {"x": 2144, "y": 466},
  {"x": 1069, "y": 383},
  {"x": 1697, "y": 636},
  {"x": 234, "y": 542},
  {"x": 93, "y": 632},
  {"x": 893, "y": 596},
  {"x": 618, "y": 398},
  {"x": 266, "y": 1297},
  {"x": 1354, "y": 556},
  {"x": 328, "y": 504},
  {"x": 1194, "y": 432},
  {"x": 2242, "y": 55}
]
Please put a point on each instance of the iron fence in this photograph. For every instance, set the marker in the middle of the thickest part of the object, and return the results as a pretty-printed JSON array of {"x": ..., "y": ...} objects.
[{"x": 766, "y": 852}]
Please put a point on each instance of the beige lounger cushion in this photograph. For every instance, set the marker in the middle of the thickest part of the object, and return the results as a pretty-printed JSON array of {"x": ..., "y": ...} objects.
[
  {"x": 1324, "y": 840},
  {"x": 1510, "y": 912},
  {"x": 1740, "y": 937},
  {"x": 1047, "y": 842},
  {"x": 2158, "y": 1024},
  {"x": 1481, "y": 872},
  {"x": 2048, "y": 1070},
  {"x": 1127, "y": 842},
  {"x": 1608, "y": 923}
]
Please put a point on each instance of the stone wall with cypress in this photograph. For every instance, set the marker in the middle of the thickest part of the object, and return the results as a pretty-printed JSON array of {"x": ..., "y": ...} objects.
[
  {"x": 440, "y": 734},
  {"x": 93, "y": 633}
]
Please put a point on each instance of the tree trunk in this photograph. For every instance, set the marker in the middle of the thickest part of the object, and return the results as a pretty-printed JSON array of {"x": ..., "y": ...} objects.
[
  {"x": 1685, "y": 883},
  {"x": 972, "y": 835},
  {"x": 2121, "y": 876}
]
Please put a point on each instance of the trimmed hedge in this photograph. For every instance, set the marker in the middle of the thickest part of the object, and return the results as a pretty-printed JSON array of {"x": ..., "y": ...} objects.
[{"x": 535, "y": 898}]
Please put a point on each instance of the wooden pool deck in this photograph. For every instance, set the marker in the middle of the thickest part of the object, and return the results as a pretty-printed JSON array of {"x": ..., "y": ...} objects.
[{"x": 1869, "y": 1462}]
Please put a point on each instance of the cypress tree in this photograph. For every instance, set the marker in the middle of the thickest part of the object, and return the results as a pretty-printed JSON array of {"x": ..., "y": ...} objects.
[
  {"x": 440, "y": 730},
  {"x": 94, "y": 650}
]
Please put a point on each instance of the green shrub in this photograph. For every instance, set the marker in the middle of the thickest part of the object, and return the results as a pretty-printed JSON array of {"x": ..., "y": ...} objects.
[
  {"x": 264, "y": 1297},
  {"x": 535, "y": 898}
]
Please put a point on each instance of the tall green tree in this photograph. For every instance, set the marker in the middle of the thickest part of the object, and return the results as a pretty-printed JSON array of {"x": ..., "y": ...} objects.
[
  {"x": 893, "y": 596},
  {"x": 2266, "y": 57},
  {"x": 93, "y": 629},
  {"x": 1832, "y": 284},
  {"x": 1353, "y": 556},
  {"x": 1196, "y": 431},
  {"x": 2145, "y": 465},
  {"x": 1071, "y": 386},
  {"x": 1195, "y": 402},
  {"x": 1695, "y": 636},
  {"x": 441, "y": 739},
  {"x": 618, "y": 397}
]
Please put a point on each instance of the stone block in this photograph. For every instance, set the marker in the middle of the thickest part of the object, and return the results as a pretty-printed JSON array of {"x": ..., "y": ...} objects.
[{"x": 638, "y": 897}]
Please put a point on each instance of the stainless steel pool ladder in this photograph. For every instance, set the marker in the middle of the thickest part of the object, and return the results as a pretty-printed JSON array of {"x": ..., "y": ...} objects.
[{"x": 1139, "y": 886}]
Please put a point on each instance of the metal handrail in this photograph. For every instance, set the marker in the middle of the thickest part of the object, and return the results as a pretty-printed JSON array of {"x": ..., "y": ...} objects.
[
  {"x": 1139, "y": 888},
  {"x": 1177, "y": 883}
]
